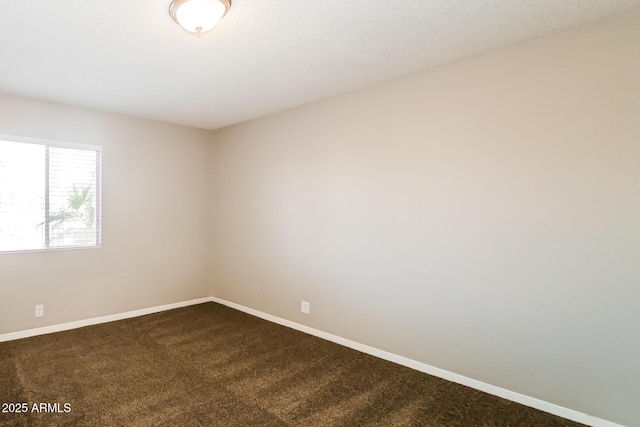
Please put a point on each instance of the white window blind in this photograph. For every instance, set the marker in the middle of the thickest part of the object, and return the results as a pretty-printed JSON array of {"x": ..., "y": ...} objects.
[{"x": 50, "y": 195}]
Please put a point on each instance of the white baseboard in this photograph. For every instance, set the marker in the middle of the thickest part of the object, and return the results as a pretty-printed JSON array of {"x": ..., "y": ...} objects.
[
  {"x": 551, "y": 408},
  {"x": 97, "y": 320},
  {"x": 532, "y": 402}
]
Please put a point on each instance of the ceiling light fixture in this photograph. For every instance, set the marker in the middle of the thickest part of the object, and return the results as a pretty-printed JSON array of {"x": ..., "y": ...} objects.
[{"x": 198, "y": 16}]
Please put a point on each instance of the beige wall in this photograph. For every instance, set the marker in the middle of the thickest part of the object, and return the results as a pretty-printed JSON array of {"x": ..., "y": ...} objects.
[
  {"x": 155, "y": 220},
  {"x": 483, "y": 217}
]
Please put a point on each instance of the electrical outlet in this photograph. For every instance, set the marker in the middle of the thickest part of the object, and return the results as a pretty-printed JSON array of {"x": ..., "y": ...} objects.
[
  {"x": 305, "y": 307},
  {"x": 39, "y": 310}
]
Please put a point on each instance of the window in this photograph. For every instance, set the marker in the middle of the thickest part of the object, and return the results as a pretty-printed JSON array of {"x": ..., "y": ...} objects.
[{"x": 50, "y": 195}]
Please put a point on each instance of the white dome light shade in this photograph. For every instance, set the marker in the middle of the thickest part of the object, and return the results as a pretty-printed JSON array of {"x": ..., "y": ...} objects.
[{"x": 198, "y": 16}]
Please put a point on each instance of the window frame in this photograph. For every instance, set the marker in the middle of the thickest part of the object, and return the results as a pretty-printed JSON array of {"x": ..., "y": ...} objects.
[{"x": 98, "y": 192}]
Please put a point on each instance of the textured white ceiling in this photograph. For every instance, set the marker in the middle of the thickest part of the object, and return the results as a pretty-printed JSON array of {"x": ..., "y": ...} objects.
[{"x": 129, "y": 57}]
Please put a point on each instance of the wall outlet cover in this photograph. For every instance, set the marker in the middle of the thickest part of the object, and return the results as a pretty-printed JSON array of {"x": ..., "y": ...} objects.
[{"x": 305, "y": 307}]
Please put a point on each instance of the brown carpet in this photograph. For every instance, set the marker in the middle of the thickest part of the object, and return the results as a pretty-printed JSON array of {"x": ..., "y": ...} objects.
[{"x": 209, "y": 365}]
